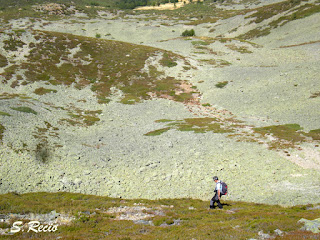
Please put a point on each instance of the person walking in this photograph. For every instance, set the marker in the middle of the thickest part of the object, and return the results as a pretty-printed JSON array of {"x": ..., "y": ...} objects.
[{"x": 218, "y": 194}]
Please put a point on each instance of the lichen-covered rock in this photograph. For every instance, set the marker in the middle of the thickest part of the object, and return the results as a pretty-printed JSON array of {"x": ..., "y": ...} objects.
[{"x": 311, "y": 225}]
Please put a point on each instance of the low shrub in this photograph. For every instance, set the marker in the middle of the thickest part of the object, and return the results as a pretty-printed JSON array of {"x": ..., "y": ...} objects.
[
  {"x": 221, "y": 84},
  {"x": 188, "y": 33}
]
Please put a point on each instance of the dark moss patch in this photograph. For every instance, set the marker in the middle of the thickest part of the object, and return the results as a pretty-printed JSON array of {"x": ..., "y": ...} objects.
[
  {"x": 9, "y": 72},
  {"x": 301, "y": 12},
  {"x": 103, "y": 100},
  {"x": 4, "y": 114},
  {"x": 79, "y": 117},
  {"x": 287, "y": 135},
  {"x": 241, "y": 49},
  {"x": 200, "y": 43},
  {"x": 42, "y": 91},
  {"x": 163, "y": 120},
  {"x": 25, "y": 110},
  {"x": 157, "y": 132},
  {"x": 2, "y": 129},
  {"x": 9, "y": 96},
  {"x": 3, "y": 61},
  {"x": 315, "y": 95},
  {"x": 206, "y": 105},
  {"x": 272, "y": 10},
  {"x": 130, "y": 99},
  {"x": 168, "y": 60},
  {"x": 314, "y": 134},
  {"x": 13, "y": 44},
  {"x": 42, "y": 152},
  {"x": 221, "y": 84},
  {"x": 196, "y": 125}
]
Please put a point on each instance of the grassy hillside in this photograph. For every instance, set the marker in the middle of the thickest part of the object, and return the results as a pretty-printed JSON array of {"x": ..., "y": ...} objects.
[
  {"x": 58, "y": 58},
  {"x": 93, "y": 217},
  {"x": 23, "y": 8}
]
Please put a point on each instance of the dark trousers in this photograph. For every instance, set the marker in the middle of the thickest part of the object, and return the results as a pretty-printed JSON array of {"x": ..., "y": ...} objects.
[{"x": 214, "y": 200}]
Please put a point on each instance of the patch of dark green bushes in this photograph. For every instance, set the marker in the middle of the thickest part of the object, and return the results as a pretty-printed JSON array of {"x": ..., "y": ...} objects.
[{"x": 188, "y": 33}]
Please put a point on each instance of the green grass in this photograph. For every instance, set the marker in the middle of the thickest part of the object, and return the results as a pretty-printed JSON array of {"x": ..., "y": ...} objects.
[
  {"x": 163, "y": 121},
  {"x": 271, "y": 10},
  {"x": 25, "y": 110},
  {"x": 103, "y": 100},
  {"x": 241, "y": 49},
  {"x": 157, "y": 132},
  {"x": 283, "y": 136},
  {"x": 221, "y": 84},
  {"x": 196, "y": 125},
  {"x": 42, "y": 91},
  {"x": 168, "y": 60},
  {"x": 314, "y": 134},
  {"x": 206, "y": 105},
  {"x": 4, "y": 114},
  {"x": 268, "y": 11},
  {"x": 2, "y": 129},
  {"x": 3, "y": 61},
  {"x": 238, "y": 220},
  {"x": 197, "y": 43},
  {"x": 223, "y": 63},
  {"x": 79, "y": 117},
  {"x": 13, "y": 44},
  {"x": 23, "y": 8},
  {"x": 287, "y": 135}
]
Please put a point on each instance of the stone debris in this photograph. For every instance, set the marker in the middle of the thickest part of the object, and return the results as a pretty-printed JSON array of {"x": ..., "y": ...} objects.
[
  {"x": 311, "y": 225},
  {"x": 264, "y": 235},
  {"x": 54, "y": 9},
  {"x": 136, "y": 213},
  {"x": 278, "y": 232}
]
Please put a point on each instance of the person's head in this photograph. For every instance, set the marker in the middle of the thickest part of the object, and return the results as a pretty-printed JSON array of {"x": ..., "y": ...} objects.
[{"x": 215, "y": 178}]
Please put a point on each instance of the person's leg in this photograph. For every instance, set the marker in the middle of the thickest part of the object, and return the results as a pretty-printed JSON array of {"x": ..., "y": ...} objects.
[
  {"x": 218, "y": 202},
  {"x": 212, "y": 203},
  {"x": 213, "y": 200}
]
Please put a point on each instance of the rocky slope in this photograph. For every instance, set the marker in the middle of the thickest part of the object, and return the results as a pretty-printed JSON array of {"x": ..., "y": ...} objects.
[{"x": 157, "y": 115}]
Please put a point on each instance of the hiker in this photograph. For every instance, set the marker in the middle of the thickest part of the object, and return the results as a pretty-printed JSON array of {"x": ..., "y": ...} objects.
[{"x": 218, "y": 193}]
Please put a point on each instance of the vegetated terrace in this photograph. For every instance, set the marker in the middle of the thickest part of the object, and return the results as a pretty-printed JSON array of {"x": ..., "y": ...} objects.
[
  {"x": 59, "y": 58},
  {"x": 96, "y": 217}
]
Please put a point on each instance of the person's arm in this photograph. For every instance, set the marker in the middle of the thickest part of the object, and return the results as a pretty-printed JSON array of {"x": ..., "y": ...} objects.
[{"x": 218, "y": 187}]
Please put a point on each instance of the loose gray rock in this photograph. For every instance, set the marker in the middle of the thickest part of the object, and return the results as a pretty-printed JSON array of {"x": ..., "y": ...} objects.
[{"x": 311, "y": 225}]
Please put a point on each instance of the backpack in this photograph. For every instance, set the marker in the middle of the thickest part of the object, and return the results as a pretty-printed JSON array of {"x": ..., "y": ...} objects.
[{"x": 224, "y": 188}]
